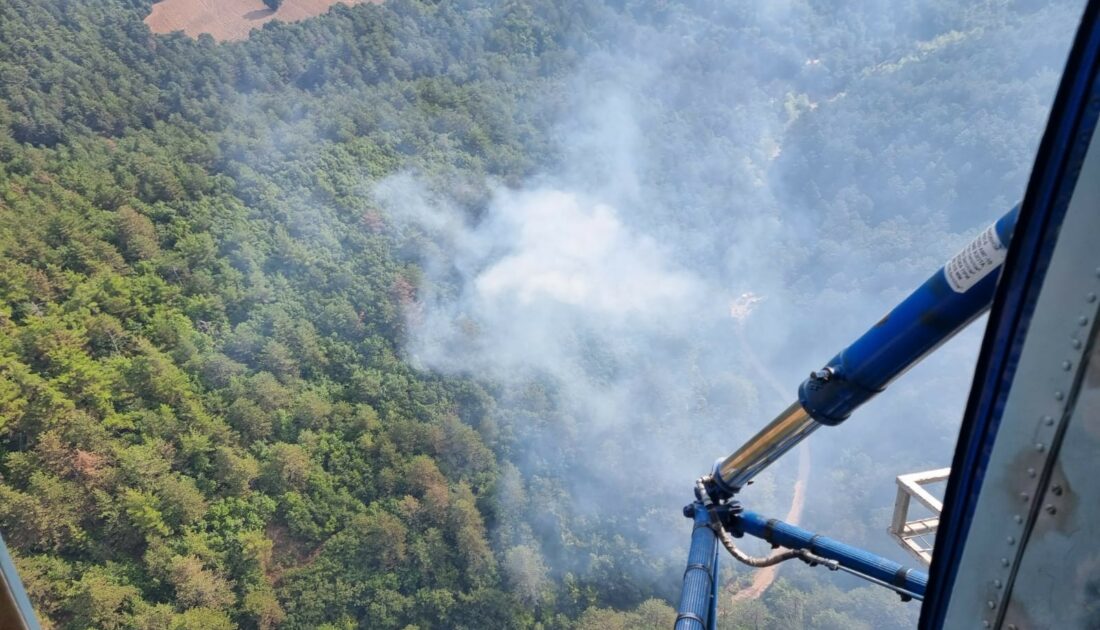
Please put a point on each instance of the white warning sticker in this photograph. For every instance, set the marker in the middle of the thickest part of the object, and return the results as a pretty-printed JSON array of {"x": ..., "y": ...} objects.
[{"x": 984, "y": 254}]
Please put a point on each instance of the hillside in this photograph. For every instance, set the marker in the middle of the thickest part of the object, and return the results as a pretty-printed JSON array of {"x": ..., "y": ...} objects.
[{"x": 416, "y": 314}]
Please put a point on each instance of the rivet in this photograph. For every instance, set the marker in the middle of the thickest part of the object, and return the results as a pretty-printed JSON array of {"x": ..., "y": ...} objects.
[
  {"x": 992, "y": 604},
  {"x": 1051, "y": 509},
  {"x": 997, "y": 583},
  {"x": 1048, "y": 420},
  {"x": 1019, "y": 519},
  {"x": 1082, "y": 320},
  {"x": 1090, "y": 298},
  {"x": 985, "y": 623},
  {"x": 1011, "y": 540},
  {"x": 1077, "y": 344},
  {"x": 1066, "y": 365},
  {"x": 1024, "y": 497},
  {"x": 1030, "y": 473},
  {"x": 1011, "y": 626},
  {"x": 1004, "y": 562},
  {"x": 1059, "y": 395},
  {"x": 1039, "y": 447},
  {"x": 1057, "y": 490}
]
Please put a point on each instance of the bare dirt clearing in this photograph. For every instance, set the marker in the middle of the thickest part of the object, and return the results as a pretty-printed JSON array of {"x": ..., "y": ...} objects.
[{"x": 231, "y": 19}]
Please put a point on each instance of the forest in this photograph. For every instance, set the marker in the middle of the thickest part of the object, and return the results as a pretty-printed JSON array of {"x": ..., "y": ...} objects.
[{"x": 243, "y": 384}]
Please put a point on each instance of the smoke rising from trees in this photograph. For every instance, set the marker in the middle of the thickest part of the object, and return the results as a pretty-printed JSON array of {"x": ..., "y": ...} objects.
[
  {"x": 823, "y": 159},
  {"x": 427, "y": 314}
]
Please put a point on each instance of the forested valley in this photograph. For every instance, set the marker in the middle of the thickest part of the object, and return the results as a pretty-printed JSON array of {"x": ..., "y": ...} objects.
[{"x": 225, "y": 400}]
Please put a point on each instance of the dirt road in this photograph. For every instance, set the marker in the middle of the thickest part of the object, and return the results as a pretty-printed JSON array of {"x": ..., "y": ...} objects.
[{"x": 763, "y": 578}]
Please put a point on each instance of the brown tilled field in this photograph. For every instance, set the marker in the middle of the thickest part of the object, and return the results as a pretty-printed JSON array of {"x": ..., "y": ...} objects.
[{"x": 230, "y": 19}]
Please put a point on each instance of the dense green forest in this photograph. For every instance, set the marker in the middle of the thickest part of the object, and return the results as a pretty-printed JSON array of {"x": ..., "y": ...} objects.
[
  {"x": 207, "y": 412},
  {"x": 207, "y": 424}
]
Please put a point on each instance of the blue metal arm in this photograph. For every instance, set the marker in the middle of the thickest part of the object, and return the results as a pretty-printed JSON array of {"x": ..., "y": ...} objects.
[
  {"x": 699, "y": 598},
  {"x": 950, "y": 299},
  {"x": 853, "y": 559}
]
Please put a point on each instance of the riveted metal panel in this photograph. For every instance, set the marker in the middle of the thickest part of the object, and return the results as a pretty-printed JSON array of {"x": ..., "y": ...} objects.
[
  {"x": 1032, "y": 559},
  {"x": 1057, "y": 582}
]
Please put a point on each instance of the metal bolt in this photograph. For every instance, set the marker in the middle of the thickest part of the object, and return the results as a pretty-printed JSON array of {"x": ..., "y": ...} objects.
[
  {"x": 1011, "y": 626},
  {"x": 1057, "y": 490},
  {"x": 1082, "y": 320},
  {"x": 1024, "y": 497},
  {"x": 985, "y": 623},
  {"x": 1090, "y": 298},
  {"x": 1004, "y": 562},
  {"x": 1019, "y": 519},
  {"x": 1011, "y": 540},
  {"x": 1077, "y": 344},
  {"x": 1059, "y": 395},
  {"x": 1039, "y": 447},
  {"x": 997, "y": 583},
  {"x": 1048, "y": 420},
  {"x": 992, "y": 604},
  {"x": 1051, "y": 509},
  {"x": 1066, "y": 365},
  {"x": 1030, "y": 473}
]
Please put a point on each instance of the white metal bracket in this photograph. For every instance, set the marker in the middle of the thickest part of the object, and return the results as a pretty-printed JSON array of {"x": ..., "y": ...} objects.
[{"x": 917, "y": 536}]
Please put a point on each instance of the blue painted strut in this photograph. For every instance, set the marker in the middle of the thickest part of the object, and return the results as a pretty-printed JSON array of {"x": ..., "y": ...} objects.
[
  {"x": 943, "y": 305},
  {"x": 699, "y": 597},
  {"x": 950, "y": 299},
  {"x": 856, "y": 560}
]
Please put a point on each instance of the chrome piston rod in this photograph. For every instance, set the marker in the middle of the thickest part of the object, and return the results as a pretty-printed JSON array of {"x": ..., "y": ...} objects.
[{"x": 779, "y": 436}]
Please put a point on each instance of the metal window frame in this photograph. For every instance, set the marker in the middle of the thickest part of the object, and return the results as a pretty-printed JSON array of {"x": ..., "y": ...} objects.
[{"x": 908, "y": 533}]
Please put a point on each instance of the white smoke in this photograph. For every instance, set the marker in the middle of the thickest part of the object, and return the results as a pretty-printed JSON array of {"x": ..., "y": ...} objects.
[
  {"x": 615, "y": 274},
  {"x": 577, "y": 252}
]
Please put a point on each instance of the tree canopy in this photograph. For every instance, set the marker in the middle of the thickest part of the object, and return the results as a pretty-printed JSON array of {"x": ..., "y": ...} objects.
[{"x": 208, "y": 416}]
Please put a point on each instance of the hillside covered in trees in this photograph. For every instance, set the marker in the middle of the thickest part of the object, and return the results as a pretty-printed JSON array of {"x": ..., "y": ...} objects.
[{"x": 217, "y": 407}]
